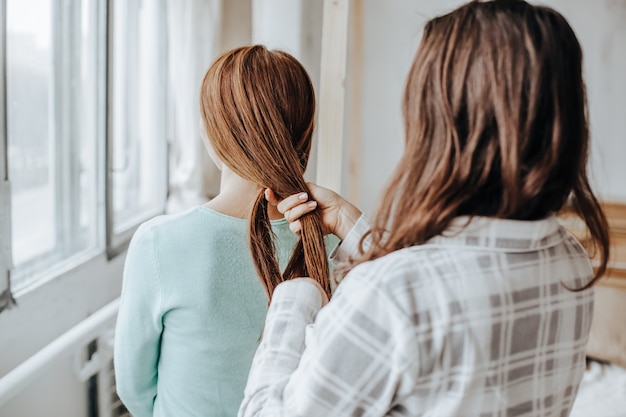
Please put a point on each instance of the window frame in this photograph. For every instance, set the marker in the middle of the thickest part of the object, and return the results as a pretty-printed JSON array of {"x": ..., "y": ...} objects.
[
  {"x": 117, "y": 241},
  {"x": 64, "y": 132},
  {"x": 5, "y": 185}
]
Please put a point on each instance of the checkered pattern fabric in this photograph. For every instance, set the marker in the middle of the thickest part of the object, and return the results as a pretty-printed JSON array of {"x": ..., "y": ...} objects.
[{"x": 477, "y": 322}]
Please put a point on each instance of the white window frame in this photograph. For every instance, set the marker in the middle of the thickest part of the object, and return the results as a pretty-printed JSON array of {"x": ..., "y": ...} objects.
[
  {"x": 65, "y": 128},
  {"x": 5, "y": 189},
  {"x": 117, "y": 241}
]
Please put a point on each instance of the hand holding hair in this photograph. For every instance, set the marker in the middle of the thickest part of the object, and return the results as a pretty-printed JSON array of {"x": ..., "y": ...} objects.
[{"x": 338, "y": 214}]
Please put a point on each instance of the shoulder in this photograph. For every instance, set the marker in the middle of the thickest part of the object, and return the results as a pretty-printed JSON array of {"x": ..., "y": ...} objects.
[
  {"x": 163, "y": 232},
  {"x": 375, "y": 297},
  {"x": 170, "y": 230},
  {"x": 414, "y": 278},
  {"x": 393, "y": 276},
  {"x": 166, "y": 222},
  {"x": 396, "y": 266}
]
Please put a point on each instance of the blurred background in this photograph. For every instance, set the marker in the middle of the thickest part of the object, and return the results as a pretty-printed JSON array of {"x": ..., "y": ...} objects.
[{"x": 101, "y": 131}]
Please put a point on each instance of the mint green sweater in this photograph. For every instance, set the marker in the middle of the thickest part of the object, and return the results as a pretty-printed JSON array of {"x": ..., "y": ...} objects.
[{"x": 191, "y": 315}]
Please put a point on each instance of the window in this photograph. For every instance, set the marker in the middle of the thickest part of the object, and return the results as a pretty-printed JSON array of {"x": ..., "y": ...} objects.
[
  {"x": 138, "y": 117},
  {"x": 52, "y": 70},
  {"x": 86, "y": 129}
]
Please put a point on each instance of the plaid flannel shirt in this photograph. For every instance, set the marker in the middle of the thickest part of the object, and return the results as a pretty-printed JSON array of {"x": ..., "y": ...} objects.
[{"x": 477, "y": 322}]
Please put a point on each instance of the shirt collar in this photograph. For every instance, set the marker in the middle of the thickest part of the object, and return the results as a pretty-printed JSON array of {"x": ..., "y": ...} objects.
[{"x": 501, "y": 234}]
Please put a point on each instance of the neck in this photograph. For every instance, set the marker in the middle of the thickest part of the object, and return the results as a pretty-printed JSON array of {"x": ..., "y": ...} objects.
[{"x": 237, "y": 196}]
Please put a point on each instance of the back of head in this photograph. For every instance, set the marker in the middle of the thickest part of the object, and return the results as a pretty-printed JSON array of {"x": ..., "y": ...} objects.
[
  {"x": 258, "y": 108},
  {"x": 495, "y": 123}
]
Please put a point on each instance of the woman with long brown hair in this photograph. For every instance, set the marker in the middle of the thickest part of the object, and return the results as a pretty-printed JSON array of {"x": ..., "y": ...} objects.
[
  {"x": 193, "y": 306},
  {"x": 465, "y": 296}
]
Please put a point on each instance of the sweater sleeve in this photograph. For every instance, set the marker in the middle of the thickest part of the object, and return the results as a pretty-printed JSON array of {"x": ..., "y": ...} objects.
[
  {"x": 139, "y": 326},
  {"x": 354, "y": 361}
]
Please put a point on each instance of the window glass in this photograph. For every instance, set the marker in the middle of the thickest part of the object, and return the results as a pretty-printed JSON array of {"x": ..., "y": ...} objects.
[
  {"x": 52, "y": 99},
  {"x": 139, "y": 122}
]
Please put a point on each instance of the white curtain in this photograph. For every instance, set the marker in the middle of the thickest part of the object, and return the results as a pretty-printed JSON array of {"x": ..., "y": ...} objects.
[{"x": 194, "y": 28}]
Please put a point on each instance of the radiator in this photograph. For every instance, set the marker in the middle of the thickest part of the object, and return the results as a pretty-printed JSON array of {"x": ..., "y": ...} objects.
[{"x": 95, "y": 368}]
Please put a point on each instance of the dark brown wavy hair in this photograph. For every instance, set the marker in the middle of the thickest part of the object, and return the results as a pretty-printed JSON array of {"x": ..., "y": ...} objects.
[
  {"x": 258, "y": 109},
  {"x": 496, "y": 124}
]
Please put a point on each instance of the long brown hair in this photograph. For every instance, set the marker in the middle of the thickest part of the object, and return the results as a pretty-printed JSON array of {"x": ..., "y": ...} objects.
[
  {"x": 495, "y": 119},
  {"x": 258, "y": 108}
]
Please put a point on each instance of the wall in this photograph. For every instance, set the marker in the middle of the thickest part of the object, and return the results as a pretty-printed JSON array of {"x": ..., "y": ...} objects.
[{"x": 379, "y": 57}]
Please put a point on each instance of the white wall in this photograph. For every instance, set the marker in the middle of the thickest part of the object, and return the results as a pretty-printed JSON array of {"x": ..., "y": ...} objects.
[
  {"x": 391, "y": 31},
  {"x": 57, "y": 393}
]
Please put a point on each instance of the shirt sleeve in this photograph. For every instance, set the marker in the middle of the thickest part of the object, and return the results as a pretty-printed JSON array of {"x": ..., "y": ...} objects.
[
  {"x": 139, "y": 327},
  {"x": 354, "y": 362},
  {"x": 350, "y": 245}
]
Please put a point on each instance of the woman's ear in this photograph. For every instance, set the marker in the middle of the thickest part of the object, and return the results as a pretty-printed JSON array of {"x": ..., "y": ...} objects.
[{"x": 207, "y": 144}]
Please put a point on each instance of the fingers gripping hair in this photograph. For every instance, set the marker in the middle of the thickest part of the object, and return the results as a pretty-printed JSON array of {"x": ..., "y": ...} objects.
[{"x": 308, "y": 258}]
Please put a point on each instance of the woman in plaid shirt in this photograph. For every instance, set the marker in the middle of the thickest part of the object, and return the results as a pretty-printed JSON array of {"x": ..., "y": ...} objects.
[{"x": 464, "y": 297}]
